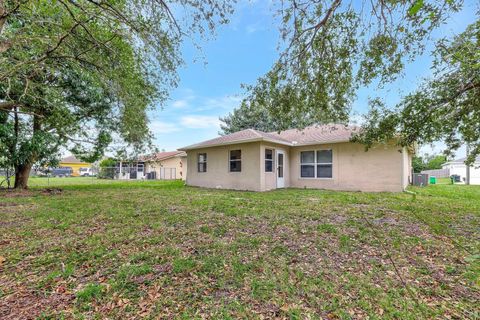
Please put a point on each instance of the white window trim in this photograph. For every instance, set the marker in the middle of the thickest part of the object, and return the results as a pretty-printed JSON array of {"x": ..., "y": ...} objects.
[
  {"x": 230, "y": 160},
  {"x": 314, "y": 165},
  {"x": 272, "y": 160},
  {"x": 205, "y": 161}
]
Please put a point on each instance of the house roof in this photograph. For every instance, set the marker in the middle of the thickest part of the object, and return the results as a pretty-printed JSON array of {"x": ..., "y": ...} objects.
[
  {"x": 329, "y": 133},
  {"x": 71, "y": 159},
  {"x": 462, "y": 160},
  {"x": 164, "y": 155}
]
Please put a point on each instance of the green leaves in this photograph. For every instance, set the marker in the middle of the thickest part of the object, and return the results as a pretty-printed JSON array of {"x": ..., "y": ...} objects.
[
  {"x": 331, "y": 49},
  {"x": 415, "y": 8},
  {"x": 81, "y": 72},
  {"x": 442, "y": 109}
]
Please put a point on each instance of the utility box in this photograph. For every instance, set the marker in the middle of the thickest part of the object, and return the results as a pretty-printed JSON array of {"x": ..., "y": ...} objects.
[
  {"x": 152, "y": 175},
  {"x": 420, "y": 179},
  {"x": 456, "y": 178}
]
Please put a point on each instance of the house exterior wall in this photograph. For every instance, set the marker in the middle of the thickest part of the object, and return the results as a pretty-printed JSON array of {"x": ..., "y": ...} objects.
[
  {"x": 218, "y": 174},
  {"x": 184, "y": 164},
  {"x": 174, "y": 162},
  {"x": 269, "y": 179},
  {"x": 407, "y": 165},
  {"x": 379, "y": 169}
]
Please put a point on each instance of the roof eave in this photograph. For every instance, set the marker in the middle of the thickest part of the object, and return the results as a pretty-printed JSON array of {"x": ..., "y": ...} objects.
[
  {"x": 193, "y": 147},
  {"x": 318, "y": 142},
  {"x": 178, "y": 154}
]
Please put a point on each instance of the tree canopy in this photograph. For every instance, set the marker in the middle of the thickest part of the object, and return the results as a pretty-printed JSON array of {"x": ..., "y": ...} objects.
[
  {"x": 428, "y": 162},
  {"x": 79, "y": 73},
  {"x": 331, "y": 48},
  {"x": 445, "y": 108},
  {"x": 258, "y": 117}
]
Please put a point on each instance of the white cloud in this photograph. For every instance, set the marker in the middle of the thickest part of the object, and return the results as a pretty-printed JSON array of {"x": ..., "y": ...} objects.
[
  {"x": 200, "y": 122},
  {"x": 182, "y": 103},
  {"x": 227, "y": 102},
  {"x": 356, "y": 119},
  {"x": 159, "y": 127}
]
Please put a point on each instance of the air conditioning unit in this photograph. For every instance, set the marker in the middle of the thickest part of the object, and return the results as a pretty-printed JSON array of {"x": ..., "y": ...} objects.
[{"x": 420, "y": 179}]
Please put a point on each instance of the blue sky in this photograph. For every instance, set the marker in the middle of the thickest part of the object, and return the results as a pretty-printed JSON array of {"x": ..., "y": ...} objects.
[{"x": 242, "y": 51}]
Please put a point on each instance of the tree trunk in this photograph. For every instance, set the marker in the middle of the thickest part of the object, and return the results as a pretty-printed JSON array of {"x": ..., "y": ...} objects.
[
  {"x": 22, "y": 171},
  {"x": 21, "y": 176}
]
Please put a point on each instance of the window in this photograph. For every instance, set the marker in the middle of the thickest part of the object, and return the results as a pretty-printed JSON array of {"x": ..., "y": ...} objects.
[
  {"x": 235, "y": 160},
  {"x": 202, "y": 162},
  {"x": 316, "y": 164},
  {"x": 324, "y": 163},
  {"x": 268, "y": 160},
  {"x": 307, "y": 164}
]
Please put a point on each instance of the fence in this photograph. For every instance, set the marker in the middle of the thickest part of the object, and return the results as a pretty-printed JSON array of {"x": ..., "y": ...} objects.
[
  {"x": 439, "y": 173},
  {"x": 137, "y": 173},
  {"x": 96, "y": 175}
]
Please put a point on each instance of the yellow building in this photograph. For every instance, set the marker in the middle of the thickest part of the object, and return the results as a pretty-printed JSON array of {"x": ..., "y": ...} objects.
[{"x": 75, "y": 164}]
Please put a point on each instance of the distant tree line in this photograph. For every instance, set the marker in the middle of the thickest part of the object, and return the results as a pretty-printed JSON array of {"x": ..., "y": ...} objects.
[{"x": 428, "y": 162}]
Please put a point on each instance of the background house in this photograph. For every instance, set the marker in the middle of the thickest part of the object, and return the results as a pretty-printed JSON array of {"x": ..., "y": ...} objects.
[
  {"x": 74, "y": 163},
  {"x": 167, "y": 164},
  {"x": 458, "y": 167},
  {"x": 128, "y": 170}
]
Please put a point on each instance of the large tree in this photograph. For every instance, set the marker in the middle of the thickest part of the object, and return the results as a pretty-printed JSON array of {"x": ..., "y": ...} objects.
[
  {"x": 331, "y": 48},
  {"x": 445, "y": 108},
  {"x": 253, "y": 116},
  {"x": 78, "y": 73}
]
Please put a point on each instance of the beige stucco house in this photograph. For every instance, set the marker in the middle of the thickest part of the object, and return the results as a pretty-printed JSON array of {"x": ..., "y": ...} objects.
[
  {"x": 317, "y": 157},
  {"x": 167, "y": 165}
]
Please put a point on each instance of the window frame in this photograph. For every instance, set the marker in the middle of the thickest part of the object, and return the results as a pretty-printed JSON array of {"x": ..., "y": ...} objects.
[
  {"x": 269, "y": 160},
  {"x": 201, "y": 162},
  {"x": 235, "y": 160},
  {"x": 315, "y": 164}
]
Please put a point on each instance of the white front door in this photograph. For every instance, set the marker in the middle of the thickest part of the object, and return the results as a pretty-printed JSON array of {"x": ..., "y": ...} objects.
[{"x": 280, "y": 169}]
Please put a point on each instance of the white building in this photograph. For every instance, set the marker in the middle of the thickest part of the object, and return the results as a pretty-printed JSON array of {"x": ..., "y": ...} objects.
[{"x": 458, "y": 167}]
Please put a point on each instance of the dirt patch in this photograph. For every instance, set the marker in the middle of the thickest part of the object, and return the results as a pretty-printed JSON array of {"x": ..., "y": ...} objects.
[
  {"x": 386, "y": 220},
  {"x": 9, "y": 193},
  {"x": 29, "y": 304},
  {"x": 12, "y": 210},
  {"x": 52, "y": 191},
  {"x": 15, "y": 223},
  {"x": 7, "y": 204}
]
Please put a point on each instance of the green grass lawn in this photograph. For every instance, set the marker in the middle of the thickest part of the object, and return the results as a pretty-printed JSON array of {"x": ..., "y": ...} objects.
[
  {"x": 157, "y": 249},
  {"x": 68, "y": 181}
]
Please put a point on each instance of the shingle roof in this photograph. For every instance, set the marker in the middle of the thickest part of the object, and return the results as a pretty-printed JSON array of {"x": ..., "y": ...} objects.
[
  {"x": 328, "y": 133},
  {"x": 163, "y": 155},
  {"x": 331, "y": 133},
  {"x": 247, "y": 135},
  {"x": 462, "y": 160}
]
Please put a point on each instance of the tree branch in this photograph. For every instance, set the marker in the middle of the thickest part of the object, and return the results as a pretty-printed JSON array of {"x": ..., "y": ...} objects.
[
  {"x": 315, "y": 28},
  {"x": 44, "y": 56},
  {"x": 21, "y": 112},
  {"x": 7, "y": 105}
]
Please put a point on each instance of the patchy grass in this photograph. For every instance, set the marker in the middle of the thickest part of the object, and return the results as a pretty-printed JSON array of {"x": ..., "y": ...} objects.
[{"x": 157, "y": 249}]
